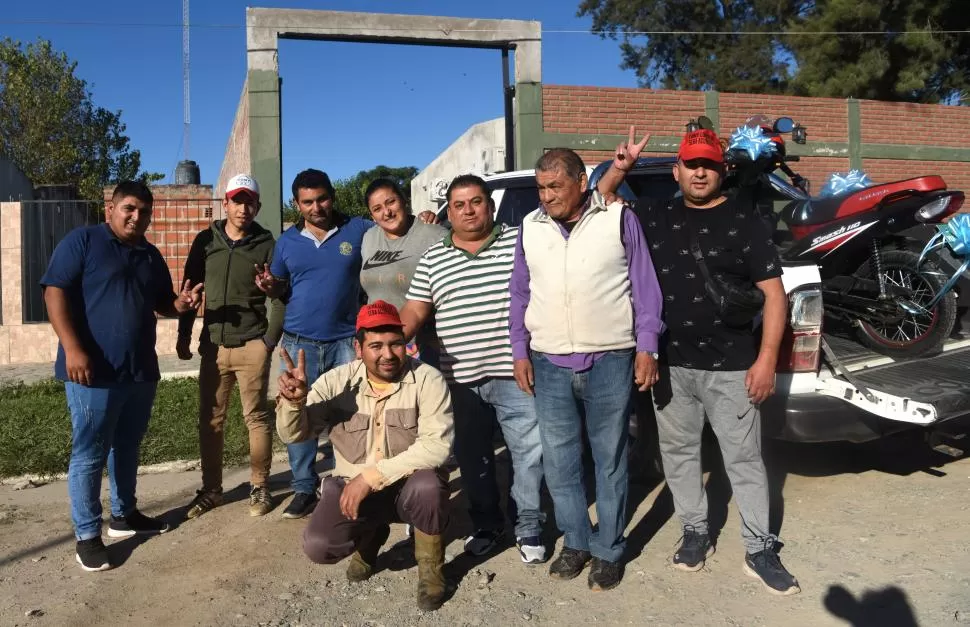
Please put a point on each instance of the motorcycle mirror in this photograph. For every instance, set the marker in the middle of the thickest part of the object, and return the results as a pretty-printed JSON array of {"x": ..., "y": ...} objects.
[
  {"x": 705, "y": 123},
  {"x": 799, "y": 134},
  {"x": 784, "y": 125}
]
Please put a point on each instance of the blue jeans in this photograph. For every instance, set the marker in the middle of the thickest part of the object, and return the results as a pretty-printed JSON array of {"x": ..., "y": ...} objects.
[
  {"x": 107, "y": 425},
  {"x": 476, "y": 407},
  {"x": 604, "y": 392},
  {"x": 320, "y": 357}
]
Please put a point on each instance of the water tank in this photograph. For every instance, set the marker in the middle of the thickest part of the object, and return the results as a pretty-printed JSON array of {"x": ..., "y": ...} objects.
[{"x": 187, "y": 173}]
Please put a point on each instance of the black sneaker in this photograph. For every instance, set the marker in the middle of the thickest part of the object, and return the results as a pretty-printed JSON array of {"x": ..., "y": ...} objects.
[
  {"x": 133, "y": 523},
  {"x": 92, "y": 555},
  {"x": 604, "y": 575},
  {"x": 483, "y": 541},
  {"x": 694, "y": 549},
  {"x": 301, "y": 505},
  {"x": 766, "y": 566},
  {"x": 569, "y": 564}
]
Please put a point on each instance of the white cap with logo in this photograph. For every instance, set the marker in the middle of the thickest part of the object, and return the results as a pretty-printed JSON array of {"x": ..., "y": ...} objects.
[{"x": 242, "y": 183}]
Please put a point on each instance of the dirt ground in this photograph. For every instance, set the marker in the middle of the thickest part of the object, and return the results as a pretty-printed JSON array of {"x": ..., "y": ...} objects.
[{"x": 877, "y": 535}]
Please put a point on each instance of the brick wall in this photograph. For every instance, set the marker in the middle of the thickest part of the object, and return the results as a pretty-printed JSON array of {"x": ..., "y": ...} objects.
[
  {"x": 179, "y": 213},
  {"x": 237, "y": 158},
  {"x": 610, "y": 110},
  {"x": 567, "y": 109}
]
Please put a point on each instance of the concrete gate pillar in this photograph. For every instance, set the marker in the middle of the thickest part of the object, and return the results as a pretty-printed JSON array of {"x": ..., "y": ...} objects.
[{"x": 264, "y": 28}]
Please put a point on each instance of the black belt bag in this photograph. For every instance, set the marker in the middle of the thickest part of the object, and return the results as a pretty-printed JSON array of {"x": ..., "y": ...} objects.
[{"x": 736, "y": 305}]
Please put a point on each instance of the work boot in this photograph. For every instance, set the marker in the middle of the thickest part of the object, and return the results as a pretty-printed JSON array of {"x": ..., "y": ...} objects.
[
  {"x": 362, "y": 562},
  {"x": 429, "y": 552}
]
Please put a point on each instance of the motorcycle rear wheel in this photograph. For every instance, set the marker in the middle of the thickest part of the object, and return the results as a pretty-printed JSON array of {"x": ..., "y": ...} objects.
[{"x": 916, "y": 334}]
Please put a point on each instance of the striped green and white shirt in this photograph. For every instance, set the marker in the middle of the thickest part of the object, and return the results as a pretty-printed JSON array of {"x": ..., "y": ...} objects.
[{"x": 470, "y": 296}]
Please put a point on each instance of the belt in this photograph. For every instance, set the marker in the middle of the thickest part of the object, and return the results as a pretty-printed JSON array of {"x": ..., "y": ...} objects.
[{"x": 295, "y": 337}]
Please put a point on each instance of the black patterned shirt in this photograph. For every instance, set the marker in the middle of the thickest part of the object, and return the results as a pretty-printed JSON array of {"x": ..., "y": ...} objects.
[{"x": 736, "y": 244}]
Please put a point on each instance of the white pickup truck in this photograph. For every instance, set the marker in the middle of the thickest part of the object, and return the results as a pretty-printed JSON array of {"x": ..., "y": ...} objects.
[{"x": 851, "y": 393}]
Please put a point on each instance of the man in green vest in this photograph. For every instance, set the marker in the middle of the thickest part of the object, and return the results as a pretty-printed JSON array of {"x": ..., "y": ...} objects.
[{"x": 233, "y": 345}]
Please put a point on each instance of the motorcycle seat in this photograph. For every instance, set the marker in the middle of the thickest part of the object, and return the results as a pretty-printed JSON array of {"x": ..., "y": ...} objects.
[{"x": 823, "y": 210}]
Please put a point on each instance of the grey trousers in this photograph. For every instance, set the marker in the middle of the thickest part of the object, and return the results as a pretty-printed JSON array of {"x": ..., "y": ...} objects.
[{"x": 682, "y": 403}]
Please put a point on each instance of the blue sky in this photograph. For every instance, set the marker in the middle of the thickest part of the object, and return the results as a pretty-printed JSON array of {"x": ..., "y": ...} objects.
[{"x": 346, "y": 106}]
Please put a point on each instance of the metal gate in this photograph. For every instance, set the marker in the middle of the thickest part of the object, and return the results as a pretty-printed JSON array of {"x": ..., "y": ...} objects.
[{"x": 44, "y": 223}]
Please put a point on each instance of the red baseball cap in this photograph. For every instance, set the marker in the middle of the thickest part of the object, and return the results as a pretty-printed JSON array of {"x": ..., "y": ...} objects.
[
  {"x": 378, "y": 314},
  {"x": 702, "y": 144}
]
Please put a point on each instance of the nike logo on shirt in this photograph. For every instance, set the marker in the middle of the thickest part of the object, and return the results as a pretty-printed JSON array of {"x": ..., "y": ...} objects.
[{"x": 383, "y": 258}]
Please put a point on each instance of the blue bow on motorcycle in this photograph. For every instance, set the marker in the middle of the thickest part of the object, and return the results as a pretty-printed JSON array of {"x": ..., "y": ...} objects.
[
  {"x": 752, "y": 141},
  {"x": 955, "y": 235},
  {"x": 838, "y": 184}
]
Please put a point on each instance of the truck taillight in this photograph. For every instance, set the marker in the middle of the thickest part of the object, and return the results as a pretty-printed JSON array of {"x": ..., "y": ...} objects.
[{"x": 802, "y": 343}]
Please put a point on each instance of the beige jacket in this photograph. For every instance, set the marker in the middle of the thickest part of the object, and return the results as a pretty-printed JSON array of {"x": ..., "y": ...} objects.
[{"x": 414, "y": 416}]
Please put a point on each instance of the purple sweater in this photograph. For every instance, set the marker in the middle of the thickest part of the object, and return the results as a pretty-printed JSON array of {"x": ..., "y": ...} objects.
[{"x": 644, "y": 288}]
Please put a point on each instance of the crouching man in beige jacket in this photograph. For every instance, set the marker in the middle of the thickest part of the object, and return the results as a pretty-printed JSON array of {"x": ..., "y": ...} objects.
[{"x": 391, "y": 425}]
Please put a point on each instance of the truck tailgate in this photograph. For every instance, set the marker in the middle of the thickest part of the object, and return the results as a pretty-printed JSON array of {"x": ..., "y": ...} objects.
[{"x": 942, "y": 381}]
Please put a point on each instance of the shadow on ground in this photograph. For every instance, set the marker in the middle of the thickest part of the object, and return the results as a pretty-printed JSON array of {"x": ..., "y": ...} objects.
[{"x": 887, "y": 607}]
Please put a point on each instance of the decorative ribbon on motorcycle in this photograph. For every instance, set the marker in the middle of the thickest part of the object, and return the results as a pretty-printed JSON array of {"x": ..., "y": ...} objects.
[
  {"x": 752, "y": 141},
  {"x": 954, "y": 234},
  {"x": 851, "y": 182}
]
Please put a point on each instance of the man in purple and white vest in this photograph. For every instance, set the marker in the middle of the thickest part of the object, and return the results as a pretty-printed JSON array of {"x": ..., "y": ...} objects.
[{"x": 584, "y": 322}]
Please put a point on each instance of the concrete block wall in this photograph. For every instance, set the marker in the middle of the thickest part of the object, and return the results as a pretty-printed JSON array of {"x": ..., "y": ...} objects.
[
  {"x": 479, "y": 150},
  {"x": 36, "y": 342}
]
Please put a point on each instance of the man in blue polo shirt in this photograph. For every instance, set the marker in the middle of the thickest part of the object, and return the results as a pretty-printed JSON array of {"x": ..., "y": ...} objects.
[
  {"x": 316, "y": 271},
  {"x": 102, "y": 289}
]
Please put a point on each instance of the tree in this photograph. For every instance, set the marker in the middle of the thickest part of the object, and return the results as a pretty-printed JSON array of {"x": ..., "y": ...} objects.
[
  {"x": 908, "y": 63},
  {"x": 52, "y": 130},
  {"x": 795, "y": 46},
  {"x": 350, "y": 191},
  {"x": 738, "y": 62}
]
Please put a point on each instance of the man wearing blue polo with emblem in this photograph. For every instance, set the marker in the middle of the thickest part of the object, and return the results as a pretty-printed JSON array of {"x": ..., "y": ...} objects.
[{"x": 316, "y": 271}]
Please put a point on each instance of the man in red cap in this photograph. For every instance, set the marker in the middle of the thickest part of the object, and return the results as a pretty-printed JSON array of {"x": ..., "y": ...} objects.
[
  {"x": 391, "y": 425},
  {"x": 226, "y": 257},
  {"x": 712, "y": 365}
]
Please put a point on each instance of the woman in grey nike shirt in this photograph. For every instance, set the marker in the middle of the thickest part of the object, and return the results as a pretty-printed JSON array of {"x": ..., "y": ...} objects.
[{"x": 391, "y": 252}]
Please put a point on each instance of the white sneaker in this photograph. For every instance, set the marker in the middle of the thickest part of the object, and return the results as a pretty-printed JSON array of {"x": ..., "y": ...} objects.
[{"x": 531, "y": 549}]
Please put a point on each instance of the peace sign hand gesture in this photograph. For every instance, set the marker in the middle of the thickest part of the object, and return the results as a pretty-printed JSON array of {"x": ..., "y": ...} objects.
[
  {"x": 292, "y": 383},
  {"x": 265, "y": 280},
  {"x": 189, "y": 298},
  {"x": 626, "y": 154}
]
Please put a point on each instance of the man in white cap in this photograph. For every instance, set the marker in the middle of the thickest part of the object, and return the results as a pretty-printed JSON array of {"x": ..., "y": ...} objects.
[{"x": 227, "y": 256}]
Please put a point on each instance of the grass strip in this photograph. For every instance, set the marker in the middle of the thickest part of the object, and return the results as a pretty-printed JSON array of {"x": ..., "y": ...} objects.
[{"x": 35, "y": 427}]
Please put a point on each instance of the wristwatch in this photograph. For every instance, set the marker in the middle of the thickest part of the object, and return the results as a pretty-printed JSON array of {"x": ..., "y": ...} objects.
[{"x": 654, "y": 355}]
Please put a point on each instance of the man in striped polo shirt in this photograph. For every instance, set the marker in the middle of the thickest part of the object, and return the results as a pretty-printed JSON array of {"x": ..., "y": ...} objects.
[{"x": 464, "y": 282}]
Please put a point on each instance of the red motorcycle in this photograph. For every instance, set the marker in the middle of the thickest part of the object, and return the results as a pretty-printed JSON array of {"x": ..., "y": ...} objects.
[{"x": 871, "y": 273}]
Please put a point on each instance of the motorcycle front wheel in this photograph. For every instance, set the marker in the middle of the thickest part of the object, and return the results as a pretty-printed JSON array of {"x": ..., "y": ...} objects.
[{"x": 915, "y": 334}]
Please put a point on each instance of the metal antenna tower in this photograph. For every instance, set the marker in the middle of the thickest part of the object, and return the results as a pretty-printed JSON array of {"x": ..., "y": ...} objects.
[
  {"x": 186, "y": 172},
  {"x": 186, "y": 114}
]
